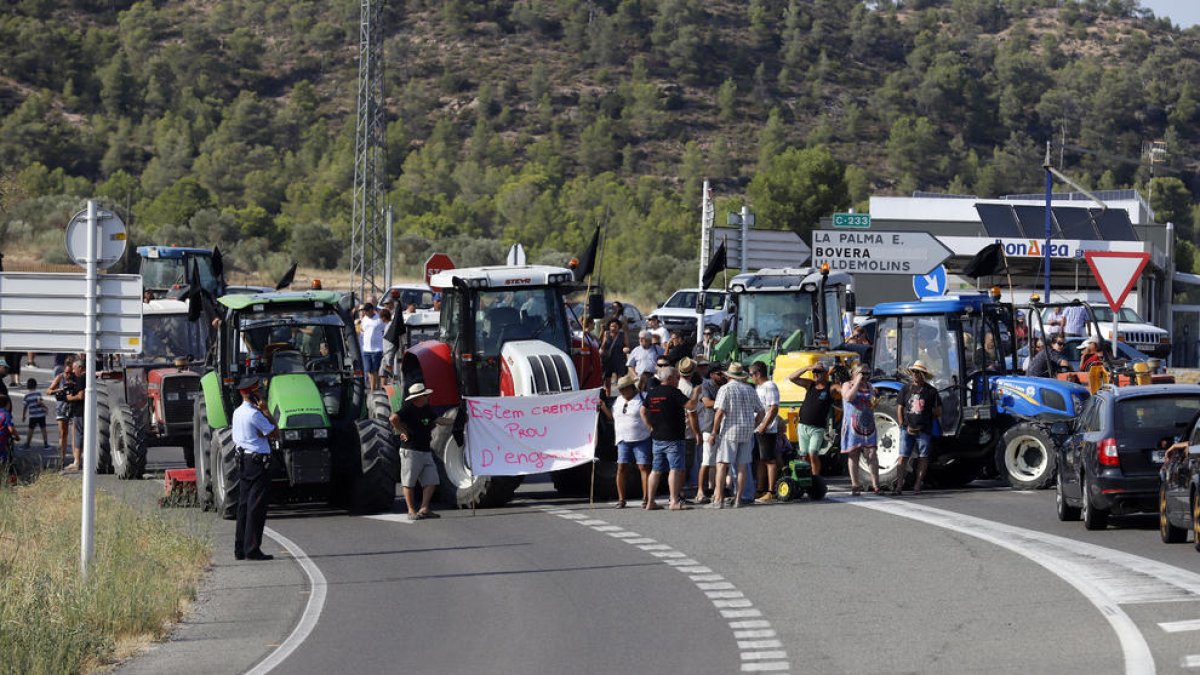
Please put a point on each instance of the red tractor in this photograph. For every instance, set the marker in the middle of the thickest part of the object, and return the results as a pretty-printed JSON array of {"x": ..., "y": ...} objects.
[{"x": 504, "y": 331}]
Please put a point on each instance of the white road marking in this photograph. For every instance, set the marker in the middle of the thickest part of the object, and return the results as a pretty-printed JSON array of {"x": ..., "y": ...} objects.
[
  {"x": 1106, "y": 577},
  {"x": 1190, "y": 661},
  {"x": 758, "y": 651},
  {"x": 1180, "y": 626},
  {"x": 401, "y": 518},
  {"x": 312, "y": 609}
]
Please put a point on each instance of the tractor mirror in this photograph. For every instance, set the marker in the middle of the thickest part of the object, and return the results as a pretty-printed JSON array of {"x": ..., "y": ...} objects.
[{"x": 851, "y": 303}]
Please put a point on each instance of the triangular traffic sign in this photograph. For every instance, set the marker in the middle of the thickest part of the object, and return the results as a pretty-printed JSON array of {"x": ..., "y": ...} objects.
[{"x": 1116, "y": 272}]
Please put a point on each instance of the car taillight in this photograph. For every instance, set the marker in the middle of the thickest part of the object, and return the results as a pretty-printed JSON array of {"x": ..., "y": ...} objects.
[{"x": 1106, "y": 453}]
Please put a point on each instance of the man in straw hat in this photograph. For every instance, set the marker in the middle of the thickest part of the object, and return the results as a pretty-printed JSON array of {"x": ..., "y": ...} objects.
[
  {"x": 632, "y": 436},
  {"x": 414, "y": 424},
  {"x": 918, "y": 407},
  {"x": 252, "y": 426},
  {"x": 738, "y": 412}
]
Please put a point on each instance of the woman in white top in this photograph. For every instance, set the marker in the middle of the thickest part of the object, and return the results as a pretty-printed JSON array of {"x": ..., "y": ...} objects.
[{"x": 632, "y": 435}]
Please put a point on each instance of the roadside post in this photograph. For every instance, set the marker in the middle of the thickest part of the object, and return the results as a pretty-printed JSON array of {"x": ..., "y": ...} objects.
[{"x": 1116, "y": 272}]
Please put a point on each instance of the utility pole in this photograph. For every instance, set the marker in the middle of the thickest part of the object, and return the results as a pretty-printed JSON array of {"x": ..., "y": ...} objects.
[{"x": 368, "y": 240}]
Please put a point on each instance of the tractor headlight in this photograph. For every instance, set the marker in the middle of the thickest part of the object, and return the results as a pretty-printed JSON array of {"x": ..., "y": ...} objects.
[
  {"x": 320, "y": 433},
  {"x": 291, "y": 435}
]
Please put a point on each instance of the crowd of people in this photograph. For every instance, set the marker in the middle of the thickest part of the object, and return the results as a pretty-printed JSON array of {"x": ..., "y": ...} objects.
[{"x": 67, "y": 388}]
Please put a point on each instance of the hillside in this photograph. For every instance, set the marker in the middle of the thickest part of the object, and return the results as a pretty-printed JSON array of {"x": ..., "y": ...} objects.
[{"x": 229, "y": 121}]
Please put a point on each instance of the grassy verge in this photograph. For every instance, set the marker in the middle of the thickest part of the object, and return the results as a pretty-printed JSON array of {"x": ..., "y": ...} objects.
[{"x": 144, "y": 573}]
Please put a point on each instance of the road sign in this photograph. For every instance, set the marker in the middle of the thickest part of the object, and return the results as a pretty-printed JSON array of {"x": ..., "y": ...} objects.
[
  {"x": 113, "y": 238},
  {"x": 1117, "y": 273},
  {"x": 768, "y": 248},
  {"x": 852, "y": 220},
  {"x": 874, "y": 252},
  {"x": 438, "y": 262},
  {"x": 44, "y": 312},
  {"x": 932, "y": 285},
  {"x": 516, "y": 256}
]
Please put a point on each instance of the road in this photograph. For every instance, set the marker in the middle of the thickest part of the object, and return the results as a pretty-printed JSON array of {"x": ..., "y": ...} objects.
[{"x": 983, "y": 579}]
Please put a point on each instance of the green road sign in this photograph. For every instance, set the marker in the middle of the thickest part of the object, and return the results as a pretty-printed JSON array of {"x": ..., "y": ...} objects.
[{"x": 856, "y": 220}]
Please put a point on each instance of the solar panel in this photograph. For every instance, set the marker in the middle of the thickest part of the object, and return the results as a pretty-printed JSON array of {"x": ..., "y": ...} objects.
[
  {"x": 1076, "y": 223},
  {"x": 1033, "y": 222},
  {"x": 999, "y": 221},
  {"x": 1114, "y": 225}
]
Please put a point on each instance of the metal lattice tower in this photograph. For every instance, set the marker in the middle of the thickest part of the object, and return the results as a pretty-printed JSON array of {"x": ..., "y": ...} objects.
[{"x": 369, "y": 232}]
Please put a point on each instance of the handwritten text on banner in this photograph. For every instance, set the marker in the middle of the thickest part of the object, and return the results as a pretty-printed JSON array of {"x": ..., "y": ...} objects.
[{"x": 517, "y": 435}]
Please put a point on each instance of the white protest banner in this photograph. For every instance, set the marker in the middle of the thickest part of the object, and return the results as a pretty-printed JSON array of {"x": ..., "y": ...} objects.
[{"x": 518, "y": 435}]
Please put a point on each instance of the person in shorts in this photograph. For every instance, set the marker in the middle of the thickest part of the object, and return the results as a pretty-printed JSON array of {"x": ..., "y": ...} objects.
[
  {"x": 919, "y": 406},
  {"x": 814, "y": 411},
  {"x": 632, "y": 436},
  {"x": 766, "y": 433},
  {"x": 372, "y": 327},
  {"x": 705, "y": 412},
  {"x": 738, "y": 412},
  {"x": 665, "y": 413},
  {"x": 34, "y": 412},
  {"x": 414, "y": 424},
  {"x": 58, "y": 388}
]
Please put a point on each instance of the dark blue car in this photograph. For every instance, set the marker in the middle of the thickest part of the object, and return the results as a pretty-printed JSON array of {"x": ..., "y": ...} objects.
[
  {"x": 1179, "y": 493},
  {"x": 1109, "y": 463}
]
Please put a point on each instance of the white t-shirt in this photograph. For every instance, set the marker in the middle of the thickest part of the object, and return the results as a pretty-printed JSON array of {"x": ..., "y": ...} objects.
[
  {"x": 687, "y": 389},
  {"x": 372, "y": 333},
  {"x": 768, "y": 395},
  {"x": 627, "y": 419},
  {"x": 663, "y": 334}
]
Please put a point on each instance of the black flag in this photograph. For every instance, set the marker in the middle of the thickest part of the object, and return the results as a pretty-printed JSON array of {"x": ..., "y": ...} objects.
[
  {"x": 990, "y": 261},
  {"x": 715, "y": 265},
  {"x": 286, "y": 279},
  {"x": 218, "y": 262},
  {"x": 195, "y": 295},
  {"x": 587, "y": 261}
]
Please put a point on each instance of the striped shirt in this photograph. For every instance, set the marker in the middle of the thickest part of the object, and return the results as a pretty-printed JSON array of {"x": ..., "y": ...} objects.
[
  {"x": 740, "y": 403},
  {"x": 34, "y": 406}
]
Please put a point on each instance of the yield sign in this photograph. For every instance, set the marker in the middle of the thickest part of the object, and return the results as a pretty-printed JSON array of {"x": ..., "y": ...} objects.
[{"x": 1117, "y": 273}]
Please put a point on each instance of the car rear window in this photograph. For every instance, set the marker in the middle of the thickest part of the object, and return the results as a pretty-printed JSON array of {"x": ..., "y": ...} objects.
[{"x": 1156, "y": 412}]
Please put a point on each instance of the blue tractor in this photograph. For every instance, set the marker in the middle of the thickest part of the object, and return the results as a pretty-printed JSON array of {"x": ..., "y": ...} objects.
[
  {"x": 994, "y": 419},
  {"x": 168, "y": 271}
]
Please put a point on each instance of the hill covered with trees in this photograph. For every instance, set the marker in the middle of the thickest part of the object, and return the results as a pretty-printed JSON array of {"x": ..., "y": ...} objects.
[{"x": 231, "y": 121}]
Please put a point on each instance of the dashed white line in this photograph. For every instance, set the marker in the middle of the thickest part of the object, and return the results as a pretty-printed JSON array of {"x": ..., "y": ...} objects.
[
  {"x": 757, "y": 642},
  {"x": 1180, "y": 626},
  {"x": 1190, "y": 661}
]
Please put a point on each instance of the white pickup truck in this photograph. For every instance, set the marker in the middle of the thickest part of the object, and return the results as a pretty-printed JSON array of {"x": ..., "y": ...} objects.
[
  {"x": 1133, "y": 330},
  {"x": 679, "y": 311}
]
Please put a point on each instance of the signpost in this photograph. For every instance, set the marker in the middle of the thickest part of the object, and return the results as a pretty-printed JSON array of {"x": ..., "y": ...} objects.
[
  {"x": 767, "y": 248},
  {"x": 874, "y": 252},
  {"x": 859, "y": 221},
  {"x": 1116, "y": 273},
  {"x": 932, "y": 285},
  {"x": 438, "y": 262}
]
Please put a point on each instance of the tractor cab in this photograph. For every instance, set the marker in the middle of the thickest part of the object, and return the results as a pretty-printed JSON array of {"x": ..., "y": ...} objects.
[{"x": 167, "y": 270}]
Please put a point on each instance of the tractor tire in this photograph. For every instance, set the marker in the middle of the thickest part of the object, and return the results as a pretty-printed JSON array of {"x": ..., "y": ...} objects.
[
  {"x": 1166, "y": 529},
  {"x": 819, "y": 489},
  {"x": 786, "y": 489},
  {"x": 379, "y": 407},
  {"x": 1093, "y": 518},
  {"x": 1066, "y": 512},
  {"x": 375, "y": 486},
  {"x": 202, "y": 438},
  {"x": 1026, "y": 457},
  {"x": 226, "y": 473},
  {"x": 459, "y": 487},
  {"x": 887, "y": 431},
  {"x": 104, "y": 463},
  {"x": 128, "y": 444}
]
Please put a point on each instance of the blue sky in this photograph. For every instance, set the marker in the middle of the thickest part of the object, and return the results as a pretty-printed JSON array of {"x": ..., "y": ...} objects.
[{"x": 1183, "y": 13}]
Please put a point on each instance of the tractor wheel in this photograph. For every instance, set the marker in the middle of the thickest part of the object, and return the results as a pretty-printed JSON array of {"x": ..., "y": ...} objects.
[
  {"x": 786, "y": 489},
  {"x": 818, "y": 489},
  {"x": 458, "y": 485},
  {"x": 226, "y": 473},
  {"x": 1169, "y": 533},
  {"x": 128, "y": 444},
  {"x": 375, "y": 485},
  {"x": 379, "y": 407},
  {"x": 887, "y": 430},
  {"x": 202, "y": 439},
  {"x": 104, "y": 462},
  {"x": 1026, "y": 457}
]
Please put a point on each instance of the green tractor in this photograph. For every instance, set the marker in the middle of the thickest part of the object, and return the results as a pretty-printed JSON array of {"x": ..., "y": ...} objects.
[{"x": 304, "y": 347}]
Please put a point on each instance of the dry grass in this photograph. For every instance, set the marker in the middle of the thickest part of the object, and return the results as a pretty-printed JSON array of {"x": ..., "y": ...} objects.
[{"x": 144, "y": 573}]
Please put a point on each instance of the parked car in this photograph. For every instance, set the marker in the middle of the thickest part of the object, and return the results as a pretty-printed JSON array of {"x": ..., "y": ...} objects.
[
  {"x": 678, "y": 313},
  {"x": 423, "y": 323},
  {"x": 1179, "y": 492},
  {"x": 1075, "y": 344},
  {"x": 1133, "y": 329},
  {"x": 1110, "y": 458},
  {"x": 635, "y": 321}
]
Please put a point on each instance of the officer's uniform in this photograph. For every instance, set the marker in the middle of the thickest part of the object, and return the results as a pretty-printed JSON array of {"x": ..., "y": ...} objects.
[{"x": 250, "y": 429}]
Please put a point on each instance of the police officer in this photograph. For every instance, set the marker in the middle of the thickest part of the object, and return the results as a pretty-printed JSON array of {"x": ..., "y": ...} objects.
[{"x": 252, "y": 426}]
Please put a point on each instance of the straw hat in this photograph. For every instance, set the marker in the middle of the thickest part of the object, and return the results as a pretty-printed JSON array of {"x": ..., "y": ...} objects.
[
  {"x": 686, "y": 366},
  {"x": 417, "y": 391},
  {"x": 736, "y": 371},
  {"x": 625, "y": 382},
  {"x": 919, "y": 366}
]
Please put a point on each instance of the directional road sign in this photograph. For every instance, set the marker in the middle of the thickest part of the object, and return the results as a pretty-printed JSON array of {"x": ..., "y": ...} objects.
[
  {"x": 438, "y": 262},
  {"x": 42, "y": 312},
  {"x": 768, "y": 248},
  {"x": 859, "y": 221},
  {"x": 932, "y": 285},
  {"x": 875, "y": 252},
  {"x": 1117, "y": 273}
]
